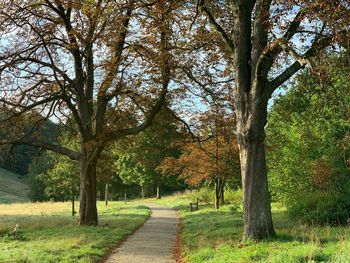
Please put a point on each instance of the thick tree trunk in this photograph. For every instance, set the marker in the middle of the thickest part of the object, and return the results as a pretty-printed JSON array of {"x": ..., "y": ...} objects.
[
  {"x": 251, "y": 122},
  {"x": 88, "y": 209},
  {"x": 256, "y": 200}
]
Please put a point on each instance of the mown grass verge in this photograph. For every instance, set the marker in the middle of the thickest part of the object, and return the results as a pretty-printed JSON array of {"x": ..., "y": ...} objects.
[
  {"x": 48, "y": 233},
  {"x": 215, "y": 236}
]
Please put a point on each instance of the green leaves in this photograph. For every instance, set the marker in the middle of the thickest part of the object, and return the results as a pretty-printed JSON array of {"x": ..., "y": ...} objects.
[{"x": 306, "y": 134}]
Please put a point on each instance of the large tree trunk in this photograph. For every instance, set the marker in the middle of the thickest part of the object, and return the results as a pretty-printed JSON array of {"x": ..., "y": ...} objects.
[
  {"x": 88, "y": 209},
  {"x": 256, "y": 200}
]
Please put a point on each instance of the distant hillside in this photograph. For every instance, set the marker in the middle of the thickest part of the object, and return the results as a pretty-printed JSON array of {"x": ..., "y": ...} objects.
[
  {"x": 19, "y": 158},
  {"x": 12, "y": 187}
]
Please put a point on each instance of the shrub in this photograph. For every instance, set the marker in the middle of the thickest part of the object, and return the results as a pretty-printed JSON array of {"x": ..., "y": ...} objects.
[
  {"x": 321, "y": 208},
  {"x": 15, "y": 234},
  {"x": 233, "y": 197},
  {"x": 204, "y": 195},
  {"x": 234, "y": 208}
]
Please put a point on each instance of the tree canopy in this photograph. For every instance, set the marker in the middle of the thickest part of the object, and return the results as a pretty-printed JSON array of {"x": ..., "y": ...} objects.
[
  {"x": 308, "y": 150},
  {"x": 104, "y": 69}
]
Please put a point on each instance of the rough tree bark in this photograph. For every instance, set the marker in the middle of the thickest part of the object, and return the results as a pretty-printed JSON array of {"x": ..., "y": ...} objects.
[
  {"x": 253, "y": 56},
  {"x": 88, "y": 164},
  {"x": 251, "y": 112},
  {"x": 256, "y": 200}
]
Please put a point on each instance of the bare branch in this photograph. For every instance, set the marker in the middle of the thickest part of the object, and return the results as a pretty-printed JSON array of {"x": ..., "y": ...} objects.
[
  {"x": 73, "y": 155},
  {"x": 301, "y": 61},
  {"x": 119, "y": 133},
  {"x": 270, "y": 53},
  {"x": 216, "y": 25}
]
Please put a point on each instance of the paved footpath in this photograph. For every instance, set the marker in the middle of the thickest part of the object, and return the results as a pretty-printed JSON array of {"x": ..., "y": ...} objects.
[{"x": 153, "y": 242}]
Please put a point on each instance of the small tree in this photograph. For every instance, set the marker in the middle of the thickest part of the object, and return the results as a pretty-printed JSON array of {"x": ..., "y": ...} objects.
[
  {"x": 36, "y": 177},
  {"x": 62, "y": 179},
  {"x": 132, "y": 172},
  {"x": 138, "y": 164},
  {"x": 213, "y": 159}
]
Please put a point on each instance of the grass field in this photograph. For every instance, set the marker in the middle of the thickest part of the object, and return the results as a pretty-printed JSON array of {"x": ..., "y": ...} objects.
[
  {"x": 48, "y": 233},
  {"x": 215, "y": 236},
  {"x": 12, "y": 187}
]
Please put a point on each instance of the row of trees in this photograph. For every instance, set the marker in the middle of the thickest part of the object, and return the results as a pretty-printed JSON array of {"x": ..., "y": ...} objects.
[
  {"x": 111, "y": 66},
  {"x": 307, "y": 152},
  {"x": 126, "y": 166},
  {"x": 164, "y": 156}
]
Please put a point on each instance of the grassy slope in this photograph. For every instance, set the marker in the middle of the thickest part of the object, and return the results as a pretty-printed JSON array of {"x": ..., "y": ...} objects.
[
  {"x": 12, "y": 188},
  {"x": 52, "y": 235},
  {"x": 214, "y": 236}
]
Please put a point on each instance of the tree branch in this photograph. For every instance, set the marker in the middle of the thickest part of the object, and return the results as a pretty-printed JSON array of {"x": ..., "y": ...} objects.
[
  {"x": 119, "y": 133},
  {"x": 102, "y": 98},
  {"x": 270, "y": 53},
  {"x": 301, "y": 61},
  {"x": 202, "y": 6},
  {"x": 73, "y": 155}
]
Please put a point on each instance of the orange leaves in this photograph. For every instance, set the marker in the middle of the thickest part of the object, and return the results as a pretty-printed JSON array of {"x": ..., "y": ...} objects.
[
  {"x": 194, "y": 165},
  {"x": 208, "y": 160}
]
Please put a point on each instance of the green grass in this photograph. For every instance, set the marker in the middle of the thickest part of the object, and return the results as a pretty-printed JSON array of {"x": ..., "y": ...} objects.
[
  {"x": 12, "y": 187},
  {"x": 49, "y": 234},
  {"x": 215, "y": 236}
]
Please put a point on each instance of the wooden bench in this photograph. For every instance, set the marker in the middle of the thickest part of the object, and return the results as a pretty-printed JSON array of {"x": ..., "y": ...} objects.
[{"x": 194, "y": 206}]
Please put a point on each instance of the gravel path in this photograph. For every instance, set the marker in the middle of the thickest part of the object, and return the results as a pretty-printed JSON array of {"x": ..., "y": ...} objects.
[{"x": 153, "y": 242}]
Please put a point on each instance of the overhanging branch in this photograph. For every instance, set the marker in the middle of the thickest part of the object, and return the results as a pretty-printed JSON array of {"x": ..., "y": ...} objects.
[
  {"x": 119, "y": 133},
  {"x": 73, "y": 155},
  {"x": 301, "y": 61},
  {"x": 202, "y": 6}
]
